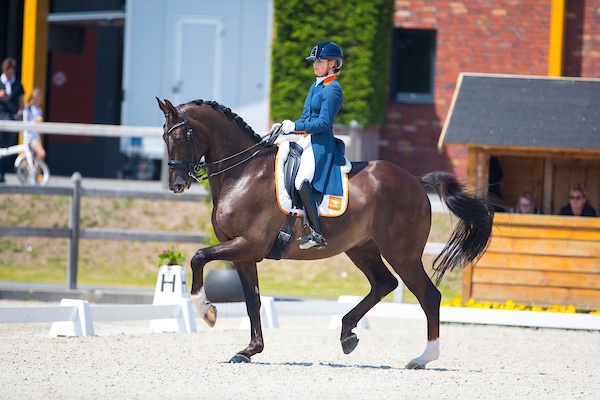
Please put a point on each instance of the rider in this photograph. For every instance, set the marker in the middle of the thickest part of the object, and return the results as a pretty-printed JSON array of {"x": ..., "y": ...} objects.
[{"x": 321, "y": 159}]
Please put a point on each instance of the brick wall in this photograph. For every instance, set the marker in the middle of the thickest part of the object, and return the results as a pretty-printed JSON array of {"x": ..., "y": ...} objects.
[
  {"x": 508, "y": 37},
  {"x": 582, "y": 39}
]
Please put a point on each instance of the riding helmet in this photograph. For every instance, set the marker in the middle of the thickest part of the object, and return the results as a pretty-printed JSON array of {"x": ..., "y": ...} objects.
[{"x": 327, "y": 51}]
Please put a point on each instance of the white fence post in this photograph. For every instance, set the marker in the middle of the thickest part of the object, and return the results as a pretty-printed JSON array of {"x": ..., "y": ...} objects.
[
  {"x": 80, "y": 323},
  {"x": 336, "y": 320}
]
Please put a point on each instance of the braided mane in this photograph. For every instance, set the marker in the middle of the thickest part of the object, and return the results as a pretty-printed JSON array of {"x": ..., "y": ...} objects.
[{"x": 230, "y": 115}]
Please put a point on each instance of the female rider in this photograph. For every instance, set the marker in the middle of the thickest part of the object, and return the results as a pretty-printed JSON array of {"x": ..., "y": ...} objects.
[{"x": 321, "y": 159}]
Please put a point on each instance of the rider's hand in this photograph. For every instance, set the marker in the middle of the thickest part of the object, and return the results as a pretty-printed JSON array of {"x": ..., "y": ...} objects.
[
  {"x": 288, "y": 126},
  {"x": 275, "y": 126}
]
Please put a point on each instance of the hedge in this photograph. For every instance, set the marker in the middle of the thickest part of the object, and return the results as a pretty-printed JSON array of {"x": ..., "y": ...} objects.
[{"x": 363, "y": 28}]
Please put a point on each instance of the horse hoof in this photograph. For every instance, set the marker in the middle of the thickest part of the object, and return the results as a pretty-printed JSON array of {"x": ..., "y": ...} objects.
[
  {"x": 239, "y": 358},
  {"x": 414, "y": 365},
  {"x": 210, "y": 314},
  {"x": 350, "y": 343}
]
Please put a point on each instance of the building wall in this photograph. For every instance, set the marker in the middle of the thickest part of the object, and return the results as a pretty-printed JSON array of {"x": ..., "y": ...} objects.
[{"x": 507, "y": 37}]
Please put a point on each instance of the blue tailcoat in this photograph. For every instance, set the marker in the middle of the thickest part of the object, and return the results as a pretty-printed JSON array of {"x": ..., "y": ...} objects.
[{"x": 320, "y": 108}]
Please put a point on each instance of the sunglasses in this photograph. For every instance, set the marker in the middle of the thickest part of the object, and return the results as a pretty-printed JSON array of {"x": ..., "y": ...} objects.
[{"x": 575, "y": 197}]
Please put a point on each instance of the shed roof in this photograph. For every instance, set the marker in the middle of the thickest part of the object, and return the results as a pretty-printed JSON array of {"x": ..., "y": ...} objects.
[{"x": 524, "y": 111}]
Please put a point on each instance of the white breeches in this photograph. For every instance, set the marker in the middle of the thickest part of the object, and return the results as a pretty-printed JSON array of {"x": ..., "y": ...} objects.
[{"x": 307, "y": 162}]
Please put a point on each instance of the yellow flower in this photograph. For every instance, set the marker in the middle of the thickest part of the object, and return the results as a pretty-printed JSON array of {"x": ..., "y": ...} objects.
[
  {"x": 511, "y": 305},
  {"x": 470, "y": 302},
  {"x": 456, "y": 302}
]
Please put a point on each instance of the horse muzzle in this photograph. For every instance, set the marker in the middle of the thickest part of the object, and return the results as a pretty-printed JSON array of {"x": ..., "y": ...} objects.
[{"x": 179, "y": 182}]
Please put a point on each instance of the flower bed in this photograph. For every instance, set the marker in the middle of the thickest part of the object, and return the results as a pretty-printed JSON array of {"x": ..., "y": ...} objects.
[{"x": 511, "y": 305}]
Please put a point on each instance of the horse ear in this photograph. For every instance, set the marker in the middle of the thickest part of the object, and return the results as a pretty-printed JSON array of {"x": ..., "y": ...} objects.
[
  {"x": 162, "y": 106},
  {"x": 170, "y": 107}
]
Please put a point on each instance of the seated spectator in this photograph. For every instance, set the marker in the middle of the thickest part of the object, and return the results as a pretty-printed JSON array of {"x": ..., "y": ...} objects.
[
  {"x": 33, "y": 112},
  {"x": 526, "y": 205},
  {"x": 578, "y": 204}
]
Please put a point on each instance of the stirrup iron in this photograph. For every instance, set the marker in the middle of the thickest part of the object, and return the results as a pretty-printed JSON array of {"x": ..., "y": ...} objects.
[{"x": 314, "y": 240}]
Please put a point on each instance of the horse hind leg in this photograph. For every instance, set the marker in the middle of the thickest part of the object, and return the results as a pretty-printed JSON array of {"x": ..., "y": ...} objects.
[
  {"x": 417, "y": 281},
  {"x": 368, "y": 259}
]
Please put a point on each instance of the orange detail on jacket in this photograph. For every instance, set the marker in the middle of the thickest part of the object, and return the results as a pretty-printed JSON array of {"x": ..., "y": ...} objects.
[{"x": 328, "y": 80}]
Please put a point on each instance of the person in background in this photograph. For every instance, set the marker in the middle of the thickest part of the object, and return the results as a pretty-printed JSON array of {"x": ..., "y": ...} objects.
[
  {"x": 33, "y": 112},
  {"x": 526, "y": 205},
  {"x": 578, "y": 204},
  {"x": 11, "y": 107}
]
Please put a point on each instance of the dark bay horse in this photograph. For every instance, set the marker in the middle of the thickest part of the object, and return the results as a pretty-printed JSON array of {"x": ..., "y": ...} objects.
[{"x": 388, "y": 215}]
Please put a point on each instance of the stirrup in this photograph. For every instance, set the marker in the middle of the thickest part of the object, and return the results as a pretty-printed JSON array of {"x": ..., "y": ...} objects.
[{"x": 314, "y": 240}]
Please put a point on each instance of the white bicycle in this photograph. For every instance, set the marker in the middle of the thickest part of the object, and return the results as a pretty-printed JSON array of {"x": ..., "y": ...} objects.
[{"x": 29, "y": 169}]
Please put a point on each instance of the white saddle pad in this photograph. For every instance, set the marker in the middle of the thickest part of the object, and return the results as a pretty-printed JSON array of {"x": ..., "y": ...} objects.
[{"x": 331, "y": 206}]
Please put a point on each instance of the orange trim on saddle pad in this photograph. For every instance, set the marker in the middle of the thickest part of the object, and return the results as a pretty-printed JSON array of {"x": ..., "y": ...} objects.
[{"x": 331, "y": 206}]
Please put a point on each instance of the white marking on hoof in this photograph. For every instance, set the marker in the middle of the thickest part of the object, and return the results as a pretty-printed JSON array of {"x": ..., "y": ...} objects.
[
  {"x": 205, "y": 308},
  {"x": 431, "y": 353}
]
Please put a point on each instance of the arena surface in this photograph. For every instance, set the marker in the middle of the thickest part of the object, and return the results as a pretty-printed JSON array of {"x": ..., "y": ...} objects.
[{"x": 302, "y": 360}]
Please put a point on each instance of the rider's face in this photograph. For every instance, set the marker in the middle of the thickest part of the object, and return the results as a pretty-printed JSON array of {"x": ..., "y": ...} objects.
[{"x": 322, "y": 67}]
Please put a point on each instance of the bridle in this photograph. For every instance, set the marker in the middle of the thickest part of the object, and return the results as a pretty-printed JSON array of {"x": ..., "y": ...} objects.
[{"x": 197, "y": 169}]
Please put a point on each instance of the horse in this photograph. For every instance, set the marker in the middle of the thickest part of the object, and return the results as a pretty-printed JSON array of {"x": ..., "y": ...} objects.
[{"x": 388, "y": 217}]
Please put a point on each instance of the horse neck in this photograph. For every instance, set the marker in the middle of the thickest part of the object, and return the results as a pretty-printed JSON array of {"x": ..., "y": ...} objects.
[
  {"x": 224, "y": 139},
  {"x": 223, "y": 135}
]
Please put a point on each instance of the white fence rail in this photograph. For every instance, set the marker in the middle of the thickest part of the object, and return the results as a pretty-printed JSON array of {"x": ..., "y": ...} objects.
[
  {"x": 72, "y": 129},
  {"x": 76, "y": 317}
]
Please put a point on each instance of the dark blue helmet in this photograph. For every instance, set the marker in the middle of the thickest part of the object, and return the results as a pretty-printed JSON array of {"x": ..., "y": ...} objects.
[{"x": 327, "y": 51}]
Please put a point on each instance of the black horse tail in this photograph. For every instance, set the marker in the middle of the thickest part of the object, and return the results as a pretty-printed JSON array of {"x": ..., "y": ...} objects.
[{"x": 472, "y": 233}]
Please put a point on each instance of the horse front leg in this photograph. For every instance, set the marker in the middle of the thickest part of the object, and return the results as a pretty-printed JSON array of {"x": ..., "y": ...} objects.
[
  {"x": 205, "y": 308},
  {"x": 249, "y": 278},
  {"x": 230, "y": 250},
  {"x": 223, "y": 251}
]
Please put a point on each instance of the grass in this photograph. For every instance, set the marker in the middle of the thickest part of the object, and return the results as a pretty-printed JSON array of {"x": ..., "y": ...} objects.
[{"x": 132, "y": 263}]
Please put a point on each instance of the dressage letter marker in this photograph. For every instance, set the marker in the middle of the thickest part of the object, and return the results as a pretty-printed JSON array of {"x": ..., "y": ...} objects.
[{"x": 171, "y": 287}]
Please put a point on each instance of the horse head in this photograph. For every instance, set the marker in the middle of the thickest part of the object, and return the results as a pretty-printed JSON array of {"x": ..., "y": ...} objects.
[{"x": 183, "y": 147}]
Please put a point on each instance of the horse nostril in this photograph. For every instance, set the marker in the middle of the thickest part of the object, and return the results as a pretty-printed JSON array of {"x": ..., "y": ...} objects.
[{"x": 177, "y": 187}]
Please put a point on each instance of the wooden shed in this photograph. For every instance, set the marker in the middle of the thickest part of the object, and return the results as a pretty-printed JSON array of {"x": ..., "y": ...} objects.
[{"x": 544, "y": 133}]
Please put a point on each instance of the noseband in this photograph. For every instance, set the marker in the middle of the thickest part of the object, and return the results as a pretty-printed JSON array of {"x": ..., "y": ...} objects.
[
  {"x": 197, "y": 169},
  {"x": 189, "y": 165}
]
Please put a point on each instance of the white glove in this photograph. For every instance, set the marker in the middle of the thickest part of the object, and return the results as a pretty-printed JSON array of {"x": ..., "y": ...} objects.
[
  {"x": 288, "y": 126},
  {"x": 275, "y": 126}
]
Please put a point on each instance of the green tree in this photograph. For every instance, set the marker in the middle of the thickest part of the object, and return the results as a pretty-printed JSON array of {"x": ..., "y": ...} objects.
[{"x": 363, "y": 28}]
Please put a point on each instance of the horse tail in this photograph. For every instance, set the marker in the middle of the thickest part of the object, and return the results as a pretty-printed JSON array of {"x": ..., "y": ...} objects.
[{"x": 472, "y": 233}]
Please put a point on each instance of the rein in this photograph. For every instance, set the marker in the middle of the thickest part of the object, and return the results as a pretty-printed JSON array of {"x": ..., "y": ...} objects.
[{"x": 195, "y": 168}]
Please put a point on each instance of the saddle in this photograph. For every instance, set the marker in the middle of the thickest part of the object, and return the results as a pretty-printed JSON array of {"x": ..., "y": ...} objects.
[{"x": 291, "y": 165}]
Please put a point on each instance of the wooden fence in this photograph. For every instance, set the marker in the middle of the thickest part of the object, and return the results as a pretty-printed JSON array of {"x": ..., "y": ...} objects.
[
  {"x": 539, "y": 260},
  {"x": 74, "y": 232}
]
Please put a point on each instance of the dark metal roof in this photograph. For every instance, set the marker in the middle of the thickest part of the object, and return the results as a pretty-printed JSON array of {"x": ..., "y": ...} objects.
[{"x": 524, "y": 111}]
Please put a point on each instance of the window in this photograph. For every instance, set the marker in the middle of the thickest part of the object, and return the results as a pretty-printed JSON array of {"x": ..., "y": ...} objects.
[{"x": 413, "y": 62}]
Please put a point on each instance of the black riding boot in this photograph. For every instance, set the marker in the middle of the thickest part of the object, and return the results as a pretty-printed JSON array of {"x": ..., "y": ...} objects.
[{"x": 315, "y": 239}]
